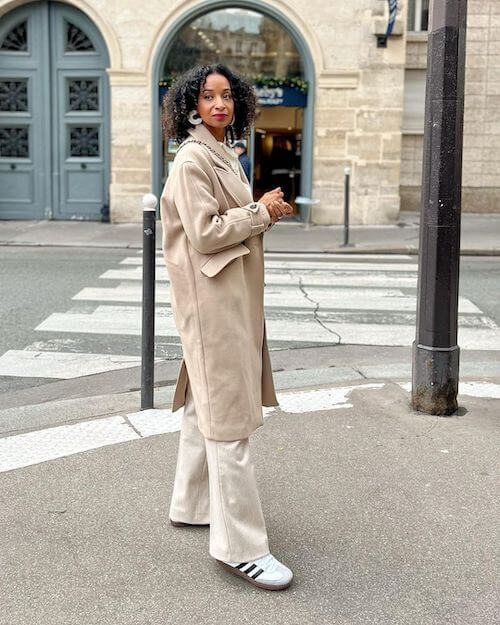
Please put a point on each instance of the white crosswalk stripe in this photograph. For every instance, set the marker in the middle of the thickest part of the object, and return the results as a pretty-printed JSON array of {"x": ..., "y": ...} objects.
[
  {"x": 284, "y": 296},
  {"x": 321, "y": 255},
  {"x": 280, "y": 265},
  {"x": 355, "y": 277},
  {"x": 61, "y": 365},
  {"x": 310, "y": 299},
  {"x": 126, "y": 320}
]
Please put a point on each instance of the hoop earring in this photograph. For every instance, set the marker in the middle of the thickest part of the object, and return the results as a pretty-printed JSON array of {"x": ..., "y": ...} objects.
[
  {"x": 194, "y": 118},
  {"x": 230, "y": 134}
]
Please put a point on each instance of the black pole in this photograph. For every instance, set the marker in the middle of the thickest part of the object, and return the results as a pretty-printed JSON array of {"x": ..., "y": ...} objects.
[
  {"x": 435, "y": 350},
  {"x": 149, "y": 202},
  {"x": 347, "y": 177}
]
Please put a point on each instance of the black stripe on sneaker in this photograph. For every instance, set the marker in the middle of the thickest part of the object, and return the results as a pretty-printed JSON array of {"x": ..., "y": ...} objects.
[
  {"x": 255, "y": 575},
  {"x": 241, "y": 565},
  {"x": 250, "y": 568}
]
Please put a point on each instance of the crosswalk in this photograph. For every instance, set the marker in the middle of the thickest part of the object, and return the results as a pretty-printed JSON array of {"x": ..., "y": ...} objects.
[{"x": 310, "y": 300}]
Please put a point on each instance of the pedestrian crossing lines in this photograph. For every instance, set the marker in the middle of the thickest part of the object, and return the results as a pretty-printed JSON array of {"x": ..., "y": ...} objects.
[{"x": 309, "y": 299}]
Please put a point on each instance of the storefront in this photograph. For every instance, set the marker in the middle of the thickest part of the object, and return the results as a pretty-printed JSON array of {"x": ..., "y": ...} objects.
[{"x": 266, "y": 49}]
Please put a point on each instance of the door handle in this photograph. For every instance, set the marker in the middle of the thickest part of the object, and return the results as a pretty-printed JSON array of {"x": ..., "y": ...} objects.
[{"x": 83, "y": 165}]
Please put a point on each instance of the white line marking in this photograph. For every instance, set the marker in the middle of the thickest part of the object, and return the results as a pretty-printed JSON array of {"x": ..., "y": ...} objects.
[
  {"x": 287, "y": 296},
  {"x": 315, "y": 400},
  {"x": 327, "y": 265},
  {"x": 127, "y": 320},
  {"x": 479, "y": 389},
  {"x": 299, "y": 257},
  {"x": 24, "y": 450},
  {"x": 318, "y": 255},
  {"x": 340, "y": 266},
  {"x": 340, "y": 278},
  {"x": 327, "y": 256},
  {"x": 106, "y": 320},
  {"x": 471, "y": 389},
  {"x": 380, "y": 334},
  {"x": 155, "y": 421},
  {"x": 61, "y": 365}
]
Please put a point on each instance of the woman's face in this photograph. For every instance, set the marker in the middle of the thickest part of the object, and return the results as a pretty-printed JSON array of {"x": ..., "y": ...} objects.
[{"x": 216, "y": 104}]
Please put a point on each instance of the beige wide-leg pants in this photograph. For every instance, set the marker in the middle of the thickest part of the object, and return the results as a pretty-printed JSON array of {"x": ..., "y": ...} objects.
[{"x": 215, "y": 483}]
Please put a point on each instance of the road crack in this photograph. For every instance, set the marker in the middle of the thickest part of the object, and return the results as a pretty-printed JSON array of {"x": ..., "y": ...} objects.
[{"x": 315, "y": 312}]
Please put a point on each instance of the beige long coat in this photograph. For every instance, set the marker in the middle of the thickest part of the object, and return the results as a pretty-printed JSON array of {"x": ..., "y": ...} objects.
[{"x": 212, "y": 245}]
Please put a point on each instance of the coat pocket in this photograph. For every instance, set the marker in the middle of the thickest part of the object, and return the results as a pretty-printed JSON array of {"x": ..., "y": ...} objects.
[{"x": 219, "y": 260}]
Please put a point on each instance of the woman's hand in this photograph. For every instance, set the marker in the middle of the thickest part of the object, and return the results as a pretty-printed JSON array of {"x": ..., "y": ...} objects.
[
  {"x": 278, "y": 209},
  {"x": 275, "y": 204}
]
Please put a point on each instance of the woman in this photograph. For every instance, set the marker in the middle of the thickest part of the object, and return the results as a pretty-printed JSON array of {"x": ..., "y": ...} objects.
[{"x": 212, "y": 244}]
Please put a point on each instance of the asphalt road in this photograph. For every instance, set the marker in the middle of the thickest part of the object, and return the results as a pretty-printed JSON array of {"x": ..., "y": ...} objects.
[{"x": 37, "y": 282}]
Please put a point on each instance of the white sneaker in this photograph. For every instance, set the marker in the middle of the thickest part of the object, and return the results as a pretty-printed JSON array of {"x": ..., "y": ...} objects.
[{"x": 265, "y": 572}]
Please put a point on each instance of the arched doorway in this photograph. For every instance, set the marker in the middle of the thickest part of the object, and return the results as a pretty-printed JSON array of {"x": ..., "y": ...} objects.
[
  {"x": 54, "y": 115},
  {"x": 263, "y": 45}
]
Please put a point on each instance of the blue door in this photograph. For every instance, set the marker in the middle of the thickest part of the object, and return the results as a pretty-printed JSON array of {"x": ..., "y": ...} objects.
[{"x": 54, "y": 115}]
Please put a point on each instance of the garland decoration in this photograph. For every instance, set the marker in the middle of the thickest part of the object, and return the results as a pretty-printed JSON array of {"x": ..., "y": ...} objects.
[
  {"x": 258, "y": 80},
  {"x": 263, "y": 80}
]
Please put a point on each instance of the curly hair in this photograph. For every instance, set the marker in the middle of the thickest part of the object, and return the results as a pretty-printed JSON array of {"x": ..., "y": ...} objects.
[{"x": 182, "y": 97}]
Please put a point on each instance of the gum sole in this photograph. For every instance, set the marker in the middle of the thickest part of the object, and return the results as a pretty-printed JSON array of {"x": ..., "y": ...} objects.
[
  {"x": 236, "y": 571},
  {"x": 181, "y": 524}
]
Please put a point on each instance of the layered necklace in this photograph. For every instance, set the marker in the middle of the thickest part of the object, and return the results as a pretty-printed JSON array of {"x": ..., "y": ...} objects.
[{"x": 232, "y": 167}]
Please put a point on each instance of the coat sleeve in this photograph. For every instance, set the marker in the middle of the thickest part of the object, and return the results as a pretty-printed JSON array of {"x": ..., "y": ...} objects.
[{"x": 207, "y": 230}]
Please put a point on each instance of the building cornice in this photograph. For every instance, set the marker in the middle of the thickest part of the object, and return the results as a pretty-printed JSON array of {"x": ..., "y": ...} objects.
[{"x": 338, "y": 79}]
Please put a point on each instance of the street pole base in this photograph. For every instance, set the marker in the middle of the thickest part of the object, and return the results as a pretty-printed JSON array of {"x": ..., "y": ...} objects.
[{"x": 435, "y": 379}]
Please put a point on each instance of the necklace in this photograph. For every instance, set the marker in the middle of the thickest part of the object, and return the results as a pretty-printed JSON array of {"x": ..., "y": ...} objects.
[{"x": 225, "y": 160}]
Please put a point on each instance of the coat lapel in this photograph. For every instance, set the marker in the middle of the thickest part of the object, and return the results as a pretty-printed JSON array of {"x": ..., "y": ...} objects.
[
  {"x": 201, "y": 133},
  {"x": 233, "y": 185}
]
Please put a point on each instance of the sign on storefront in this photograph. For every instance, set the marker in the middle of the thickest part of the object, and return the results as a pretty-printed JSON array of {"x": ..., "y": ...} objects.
[
  {"x": 270, "y": 96},
  {"x": 280, "y": 96}
]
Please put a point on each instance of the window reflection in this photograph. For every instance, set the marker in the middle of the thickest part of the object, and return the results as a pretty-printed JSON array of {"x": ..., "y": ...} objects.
[{"x": 248, "y": 42}]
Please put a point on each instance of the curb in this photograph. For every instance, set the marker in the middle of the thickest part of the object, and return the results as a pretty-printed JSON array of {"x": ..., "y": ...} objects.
[{"x": 33, "y": 417}]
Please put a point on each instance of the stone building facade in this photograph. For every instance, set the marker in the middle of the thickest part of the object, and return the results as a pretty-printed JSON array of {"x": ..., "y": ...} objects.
[
  {"x": 481, "y": 158},
  {"x": 362, "y": 110}
]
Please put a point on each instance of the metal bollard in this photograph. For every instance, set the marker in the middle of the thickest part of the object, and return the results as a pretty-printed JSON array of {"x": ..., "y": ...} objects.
[
  {"x": 347, "y": 177},
  {"x": 149, "y": 202}
]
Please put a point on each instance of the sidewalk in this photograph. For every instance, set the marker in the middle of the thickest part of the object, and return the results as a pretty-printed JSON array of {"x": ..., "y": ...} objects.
[
  {"x": 384, "y": 515},
  {"x": 480, "y": 236}
]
